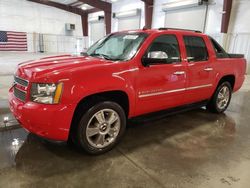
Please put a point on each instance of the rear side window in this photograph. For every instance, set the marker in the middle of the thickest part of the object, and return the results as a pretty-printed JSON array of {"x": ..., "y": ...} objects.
[
  {"x": 219, "y": 51},
  {"x": 196, "y": 49}
]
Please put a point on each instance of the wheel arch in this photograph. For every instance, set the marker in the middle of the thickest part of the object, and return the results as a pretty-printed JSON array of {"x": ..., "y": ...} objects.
[
  {"x": 229, "y": 78},
  {"x": 118, "y": 96}
]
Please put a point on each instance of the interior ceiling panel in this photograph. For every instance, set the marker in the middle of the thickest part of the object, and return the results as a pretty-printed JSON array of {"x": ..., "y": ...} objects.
[
  {"x": 75, "y": 2},
  {"x": 78, "y": 4},
  {"x": 65, "y": 2}
]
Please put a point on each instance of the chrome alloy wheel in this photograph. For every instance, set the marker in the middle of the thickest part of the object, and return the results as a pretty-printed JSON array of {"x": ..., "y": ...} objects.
[
  {"x": 103, "y": 128},
  {"x": 223, "y": 97}
]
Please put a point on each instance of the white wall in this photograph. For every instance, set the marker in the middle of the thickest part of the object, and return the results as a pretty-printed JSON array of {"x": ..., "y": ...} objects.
[
  {"x": 95, "y": 35},
  {"x": 214, "y": 17},
  {"x": 22, "y": 15},
  {"x": 240, "y": 22},
  {"x": 239, "y": 27},
  {"x": 238, "y": 38},
  {"x": 25, "y": 16},
  {"x": 158, "y": 14},
  {"x": 126, "y": 5}
]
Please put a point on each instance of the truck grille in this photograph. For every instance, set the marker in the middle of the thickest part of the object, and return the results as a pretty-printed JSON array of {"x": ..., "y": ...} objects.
[
  {"x": 20, "y": 85},
  {"x": 21, "y": 81},
  {"x": 19, "y": 94}
]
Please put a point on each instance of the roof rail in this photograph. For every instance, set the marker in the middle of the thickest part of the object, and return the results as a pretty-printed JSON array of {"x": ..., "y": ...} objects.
[{"x": 168, "y": 28}]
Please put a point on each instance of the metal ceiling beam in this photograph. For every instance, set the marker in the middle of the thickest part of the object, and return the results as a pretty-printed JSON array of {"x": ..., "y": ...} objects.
[
  {"x": 148, "y": 4},
  {"x": 85, "y": 26},
  {"x": 108, "y": 17},
  {"x": 105, "y": 6},
  {"x": 151, "y": 2},
  {"x": 227, "y": 7}
]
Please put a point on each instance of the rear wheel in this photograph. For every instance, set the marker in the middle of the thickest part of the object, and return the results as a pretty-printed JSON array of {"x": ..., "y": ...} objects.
[
  {"x": 221, "y": 98},
  {"x": 101, "y": 127}
]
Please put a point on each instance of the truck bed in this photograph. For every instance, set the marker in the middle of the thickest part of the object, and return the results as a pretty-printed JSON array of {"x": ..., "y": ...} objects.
[{"x": 236, "y": 55}]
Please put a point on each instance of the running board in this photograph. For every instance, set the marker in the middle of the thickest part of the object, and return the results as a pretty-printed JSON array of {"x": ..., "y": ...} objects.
[{"x": 164, "y": 113}]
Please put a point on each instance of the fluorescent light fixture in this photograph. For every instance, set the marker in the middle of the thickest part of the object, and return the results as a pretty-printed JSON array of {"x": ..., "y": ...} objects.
[
  {"x": 65, "y": 2},
  {"x": 175, "y": 5},
  {"x": 77, "y": 3},
  {"x": 129, "y": 13},
  {"x": 84, "y": 8}
]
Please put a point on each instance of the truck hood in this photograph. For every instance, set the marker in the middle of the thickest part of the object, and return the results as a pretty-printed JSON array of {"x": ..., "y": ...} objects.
[{"x": 55, "y": 65}]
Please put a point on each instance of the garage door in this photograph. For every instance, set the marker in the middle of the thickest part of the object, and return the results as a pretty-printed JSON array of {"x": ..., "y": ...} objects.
[
  {"x": 188, "y": 18},
  {"x": 97, "y": 31},
  {"x": 129, "y": 23}
]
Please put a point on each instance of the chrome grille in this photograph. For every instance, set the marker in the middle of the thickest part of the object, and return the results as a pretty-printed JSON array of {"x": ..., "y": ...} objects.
[
  {"x": 21, "y": 81},
  {"x": 20, "y": 85},
  {"x": 19, "y": 94}
]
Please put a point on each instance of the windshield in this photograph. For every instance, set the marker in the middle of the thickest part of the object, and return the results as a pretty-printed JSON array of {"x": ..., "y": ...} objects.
[{"x": 117, "y": 47}]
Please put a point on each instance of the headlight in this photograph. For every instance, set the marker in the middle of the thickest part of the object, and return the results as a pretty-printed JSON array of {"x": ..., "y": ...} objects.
[{"x": 46, "y": 93}]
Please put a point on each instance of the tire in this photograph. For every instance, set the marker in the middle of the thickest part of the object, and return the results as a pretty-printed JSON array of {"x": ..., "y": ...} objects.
[
  {"x": 216, "y": 105},
  {"x": 107, "y": 122}
]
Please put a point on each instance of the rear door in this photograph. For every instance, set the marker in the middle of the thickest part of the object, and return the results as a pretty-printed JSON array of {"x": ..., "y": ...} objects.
[{"x": 200, "y": 70}]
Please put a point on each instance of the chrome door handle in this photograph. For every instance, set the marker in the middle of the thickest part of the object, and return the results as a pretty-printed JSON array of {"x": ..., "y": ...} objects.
[
  {"x": 208, "y": 69},
  {"x": 179, "y": 73}
]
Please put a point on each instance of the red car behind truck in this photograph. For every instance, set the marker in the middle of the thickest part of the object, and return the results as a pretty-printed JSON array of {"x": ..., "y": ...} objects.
[{"x": 88, "y": 99}]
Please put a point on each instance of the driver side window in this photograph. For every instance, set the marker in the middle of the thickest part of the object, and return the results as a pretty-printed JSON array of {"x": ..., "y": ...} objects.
[{"x": 165, "y": 47}]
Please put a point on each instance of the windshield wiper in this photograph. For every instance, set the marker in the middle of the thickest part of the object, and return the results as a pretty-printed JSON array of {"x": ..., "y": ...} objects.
[{"x": 102, "y": 56}]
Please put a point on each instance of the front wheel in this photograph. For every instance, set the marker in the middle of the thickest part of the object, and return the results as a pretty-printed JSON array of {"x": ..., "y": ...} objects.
[
  {"x": 101, "y": 127},
  {"x": 221, "y": 98}
]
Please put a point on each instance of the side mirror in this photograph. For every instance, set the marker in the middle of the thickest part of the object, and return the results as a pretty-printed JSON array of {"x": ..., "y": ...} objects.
[
  {"x": 154, "y": 58},
  {"x": 157, "y": 55}
]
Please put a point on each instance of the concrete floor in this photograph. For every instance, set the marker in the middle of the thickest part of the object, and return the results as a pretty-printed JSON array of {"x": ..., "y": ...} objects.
[{"x": 191, "y": 149}]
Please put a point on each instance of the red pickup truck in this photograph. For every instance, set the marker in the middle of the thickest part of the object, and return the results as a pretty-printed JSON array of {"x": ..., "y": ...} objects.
[{"x": 88, "y": 99}]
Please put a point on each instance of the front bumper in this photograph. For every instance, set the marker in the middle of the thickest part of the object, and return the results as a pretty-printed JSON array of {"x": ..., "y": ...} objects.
[{"x": 48, "y": 121}]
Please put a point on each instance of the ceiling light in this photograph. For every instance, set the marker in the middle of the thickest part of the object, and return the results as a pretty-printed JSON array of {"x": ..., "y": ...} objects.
[
  {"x": 84, "y": 8},
  {"x": 129, "y": 13}
]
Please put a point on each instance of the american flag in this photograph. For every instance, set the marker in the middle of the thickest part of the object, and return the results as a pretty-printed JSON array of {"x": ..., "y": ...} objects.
[{"x": 13, "y": 41}]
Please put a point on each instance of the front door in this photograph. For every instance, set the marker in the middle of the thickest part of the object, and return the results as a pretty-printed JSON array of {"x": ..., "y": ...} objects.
[{"x": 161, "y": 84}]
